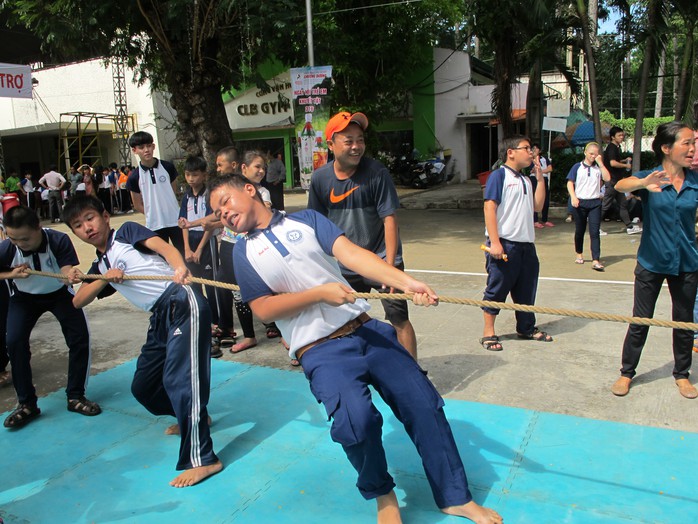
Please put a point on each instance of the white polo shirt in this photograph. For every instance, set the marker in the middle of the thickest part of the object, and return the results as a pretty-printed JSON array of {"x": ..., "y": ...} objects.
[
  {"x": 587, "y": 181},
  {"x": 56, "y": 251},
  {"x": 155, "y": 186},
  {"x": 294, "y": 254},
  {"x": 126, "y": 252},
  {"x": 513, "y": 193},
  {"x": 53, "y": 180}
]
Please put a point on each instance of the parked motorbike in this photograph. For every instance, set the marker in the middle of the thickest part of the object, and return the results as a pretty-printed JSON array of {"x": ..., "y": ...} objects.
[{"x": 410, "y": 172}]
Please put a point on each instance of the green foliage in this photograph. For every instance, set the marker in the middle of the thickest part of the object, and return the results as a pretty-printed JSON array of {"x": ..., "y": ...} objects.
[
  {"x": 374, "y": 50},
  {"x": 649, "y": 125}
]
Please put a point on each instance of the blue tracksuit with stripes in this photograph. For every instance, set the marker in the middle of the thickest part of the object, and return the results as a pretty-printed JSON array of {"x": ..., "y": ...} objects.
[{"x": 173, "y": 372}]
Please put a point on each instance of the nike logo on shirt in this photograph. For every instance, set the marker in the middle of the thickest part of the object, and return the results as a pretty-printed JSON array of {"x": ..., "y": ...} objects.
[{"x": 338, "y": 198}]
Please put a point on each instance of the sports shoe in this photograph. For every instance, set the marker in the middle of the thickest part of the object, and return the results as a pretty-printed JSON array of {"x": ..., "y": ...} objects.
[
  {"x": 636, "y": 220},
  {"x": 602, "y": 233},
  {"x": 568, "y": 219},
  {"x": 634, "y": 230}
]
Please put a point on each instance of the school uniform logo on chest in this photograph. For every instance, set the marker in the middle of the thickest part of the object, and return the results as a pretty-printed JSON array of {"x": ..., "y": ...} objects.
[
  {"x": 121, "y": 265},
  {"x": 294, "y": 236},
  {"x": 162, "y": 178}
]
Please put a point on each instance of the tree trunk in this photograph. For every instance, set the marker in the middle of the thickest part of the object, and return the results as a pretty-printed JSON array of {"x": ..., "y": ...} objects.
[
  {"x": 534, "y": 103},
  {"x": 686, "y": 69},
  {"x": 591, "y": 69},
  {"x": 650, "y": 52},
  {"x": 675, "y": 46},
  {"x": 625, "y": 66},
  {"x": 202, "y": 124},
  {"x": 660, "y": 85},
  {"x": 504, "y": 74}
]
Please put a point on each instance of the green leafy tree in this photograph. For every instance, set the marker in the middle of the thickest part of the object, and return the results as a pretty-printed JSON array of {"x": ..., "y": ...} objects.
[
  {"x": 654, "y": 36},
  {"x": 193, "y": 50}
]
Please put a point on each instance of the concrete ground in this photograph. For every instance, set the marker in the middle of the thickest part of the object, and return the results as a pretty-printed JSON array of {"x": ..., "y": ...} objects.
[{"x": 570, "y": 376}]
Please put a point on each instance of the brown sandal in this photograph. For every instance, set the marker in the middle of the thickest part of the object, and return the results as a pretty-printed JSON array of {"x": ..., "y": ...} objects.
[
  {"x": 22, "y": 416},
  {"x": 84, "y": 407}
]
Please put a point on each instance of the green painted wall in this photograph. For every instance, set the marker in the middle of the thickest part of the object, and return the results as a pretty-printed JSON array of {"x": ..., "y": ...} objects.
[
  {"x": 423, "y": 104},
  {"x": 285, "y": 134}
]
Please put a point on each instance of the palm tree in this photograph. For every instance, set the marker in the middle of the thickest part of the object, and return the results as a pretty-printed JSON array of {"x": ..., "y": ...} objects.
[
  {"x": 546, "y": 39},
  {"x": 655, "y": 40},
  {"x": 688, "y": 10},
  {"x": 588, "y": 28}
]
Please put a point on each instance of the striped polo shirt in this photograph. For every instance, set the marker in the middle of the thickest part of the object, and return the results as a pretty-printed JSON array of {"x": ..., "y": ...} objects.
[
  {"x": 126, "y": 252},
  {"x": 293, "y": 254},
  {"x": 513, "y": 193}
]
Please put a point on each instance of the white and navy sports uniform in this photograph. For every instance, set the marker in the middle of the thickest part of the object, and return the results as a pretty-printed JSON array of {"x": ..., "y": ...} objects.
[
  {"x": 32, "y": 297},
  {"x": 159, "y": 200},
  {"x": 518, "y": 276},
  {"x": 173, "y": 372},
  {"x": 195, "y": 207},
  {"x": 293, "y": 254},
  {"x": 587, "y": 182}
]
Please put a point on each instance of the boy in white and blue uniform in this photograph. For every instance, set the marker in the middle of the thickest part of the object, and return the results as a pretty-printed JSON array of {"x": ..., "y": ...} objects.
[
  {"x": 287, "y": 273},
  {"x": 30, "y": 247},
  {"x": 153, "y": 190},
  {"x": 200, "y": 247},
  {"x": 509, "y": 205},
  {"x": 173, "y": 371}
]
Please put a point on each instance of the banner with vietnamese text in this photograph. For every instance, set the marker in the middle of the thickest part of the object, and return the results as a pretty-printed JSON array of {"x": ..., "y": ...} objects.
[
  {"x": 15, "y": 81},
  {"x": 311, "y": 107}
]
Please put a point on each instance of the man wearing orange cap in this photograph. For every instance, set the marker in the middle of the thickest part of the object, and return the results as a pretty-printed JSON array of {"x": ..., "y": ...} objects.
[{"x": 358, "y": 195}]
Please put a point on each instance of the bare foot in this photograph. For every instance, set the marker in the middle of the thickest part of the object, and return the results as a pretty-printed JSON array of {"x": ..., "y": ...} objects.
[
  {"x": 246, "y": 343},
  {"x": 5, "y": 378},
  {"x": 475, "y": 512},
  {"x": 174, "y": 428},
  {"x": 388, "y": 509},
  {"x": 193, "y": 476}
]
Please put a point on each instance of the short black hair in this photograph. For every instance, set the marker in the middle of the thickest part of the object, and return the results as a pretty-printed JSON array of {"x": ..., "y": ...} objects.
[
  {"x": 614, "y": 131},
  {"x": 140, "y": 138},
  {"x": 22, "y": 216},
  {"x": 52, "y": 167},
  {"x": 236, "y": 181},
  {"x": 511, "y": 142},
  {"x": 113, "y": 165},
  {"x": 666, "y": 135},
  {"x": 77, "y": 205},
  {"x": 195, "y": 163},
  {"x": 230, "y": 152}
]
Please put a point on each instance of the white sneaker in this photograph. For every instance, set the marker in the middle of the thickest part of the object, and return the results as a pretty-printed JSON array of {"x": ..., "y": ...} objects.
[
  {"x": 636, "y": 220},
  {"x": 602, "y": 233},
  {"x": 634, "y": 230}
]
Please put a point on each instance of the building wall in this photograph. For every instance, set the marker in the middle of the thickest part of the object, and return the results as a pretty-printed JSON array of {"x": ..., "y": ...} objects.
[
  {"x": 451, "y": 91},
  {"x": 80, "y": 87}
]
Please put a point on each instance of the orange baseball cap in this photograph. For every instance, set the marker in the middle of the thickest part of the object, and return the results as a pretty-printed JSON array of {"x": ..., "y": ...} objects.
[{"x": 340, "y": 121}]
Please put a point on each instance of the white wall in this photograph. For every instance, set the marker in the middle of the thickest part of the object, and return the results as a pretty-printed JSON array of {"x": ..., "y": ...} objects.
[
  {"x": 451, "y": 92},
  {"x": 86, "y": 87}
]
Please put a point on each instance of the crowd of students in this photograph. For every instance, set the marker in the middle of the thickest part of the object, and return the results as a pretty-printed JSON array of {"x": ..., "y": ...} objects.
[{"x": 350, "y": 218}]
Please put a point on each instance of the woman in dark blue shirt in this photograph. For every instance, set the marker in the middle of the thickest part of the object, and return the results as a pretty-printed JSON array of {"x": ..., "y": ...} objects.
[{"x": 667, "y": 251}]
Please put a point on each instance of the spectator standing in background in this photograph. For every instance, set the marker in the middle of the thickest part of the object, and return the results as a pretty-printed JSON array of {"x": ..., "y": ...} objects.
[{"x": 275, "y": 178}]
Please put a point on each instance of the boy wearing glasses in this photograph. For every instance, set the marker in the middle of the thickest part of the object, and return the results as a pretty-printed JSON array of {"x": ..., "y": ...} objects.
[{"x": 511, "y": 260}]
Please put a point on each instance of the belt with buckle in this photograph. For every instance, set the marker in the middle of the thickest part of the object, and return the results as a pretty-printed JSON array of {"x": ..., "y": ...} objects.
[{"x": 347, "y": 329}]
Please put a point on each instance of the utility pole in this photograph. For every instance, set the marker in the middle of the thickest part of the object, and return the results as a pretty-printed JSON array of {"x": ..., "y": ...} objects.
[{"x": 309, "y": 25}]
